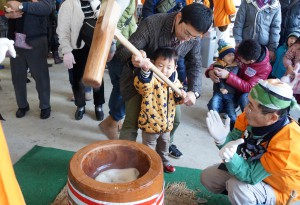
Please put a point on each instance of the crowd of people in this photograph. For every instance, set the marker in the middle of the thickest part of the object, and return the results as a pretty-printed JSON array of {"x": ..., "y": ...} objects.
[{"x": 260, "y": 74}]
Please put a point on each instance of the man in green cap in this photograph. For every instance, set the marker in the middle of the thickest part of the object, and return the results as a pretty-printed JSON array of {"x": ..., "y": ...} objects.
[{"x": 261, "y": 154}]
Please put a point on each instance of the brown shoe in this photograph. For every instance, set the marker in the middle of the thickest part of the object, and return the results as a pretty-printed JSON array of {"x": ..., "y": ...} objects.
[{"x": 109, "y": 127}]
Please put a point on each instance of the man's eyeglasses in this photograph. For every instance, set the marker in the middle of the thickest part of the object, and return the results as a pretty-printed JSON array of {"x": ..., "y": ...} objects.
[{"x": 187, "y": 33}]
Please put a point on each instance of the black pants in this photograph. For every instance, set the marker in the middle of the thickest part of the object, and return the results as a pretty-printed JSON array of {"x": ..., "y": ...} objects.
[
  {"x": 80, "y": 56},
  {"x": 36, "y": 60}
]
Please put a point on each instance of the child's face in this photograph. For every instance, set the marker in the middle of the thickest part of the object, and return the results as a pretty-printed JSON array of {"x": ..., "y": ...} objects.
[
  {"x": 166, "y": 66},
  {"x": 228, "y": 58},
  {"x": 291, "y": 41}
]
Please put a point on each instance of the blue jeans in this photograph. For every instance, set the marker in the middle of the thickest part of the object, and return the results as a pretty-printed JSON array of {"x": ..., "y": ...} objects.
[
  {"x": 116, "y": 104},
  {"x": 223, "y": 103},
  {"x": 243, "y": 101}
]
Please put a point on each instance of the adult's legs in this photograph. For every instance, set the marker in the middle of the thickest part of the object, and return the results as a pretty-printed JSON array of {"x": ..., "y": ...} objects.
[
  {"x": 98, "y": 94},
  {"x": 214, "y": 179},
  {"x": 176, "y": 122},
  {"x": 19, "y": 77},
  {"x": 130, "y": 124},
  {"x": 116, "y": 103},
  {"x": 240, "y": 193},
  {"x": 80, "y": 56},
  {"x": 173, "y": 150},
  {"x": 217, "y": 181},
  {"x": 111, "y": 125},
  {"x": 37, "y": 62}
]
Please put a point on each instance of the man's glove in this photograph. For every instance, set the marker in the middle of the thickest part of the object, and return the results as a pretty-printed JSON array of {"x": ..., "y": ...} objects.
[
  {"x": 6, "y": 45},
  {"x": 216, "y": 128},
  {"x": 69, "y": 60},
  {"x": 227, "y": 152}
]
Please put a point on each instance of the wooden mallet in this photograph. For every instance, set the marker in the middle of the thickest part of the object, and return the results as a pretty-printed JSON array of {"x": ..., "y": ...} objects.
[{"x": 104, "y": 32}]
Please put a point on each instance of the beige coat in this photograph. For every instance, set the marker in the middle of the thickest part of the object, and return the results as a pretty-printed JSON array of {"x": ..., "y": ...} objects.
[{"x": 69, "y": 23}]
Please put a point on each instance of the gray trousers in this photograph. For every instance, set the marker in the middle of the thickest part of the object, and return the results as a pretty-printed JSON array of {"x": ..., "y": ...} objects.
[
  {"x": 239, "y": 193},
  {"x": 36, "y": 60},
  {"x": 160, "y": 143}
]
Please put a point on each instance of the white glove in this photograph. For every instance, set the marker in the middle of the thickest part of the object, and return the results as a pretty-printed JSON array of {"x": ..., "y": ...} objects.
[
  {"x": 6, "y": 45},
  {"x": 69, "y": 60},
  {"x": 216, "y": 128},
  {"x": 227, "y": 152}
]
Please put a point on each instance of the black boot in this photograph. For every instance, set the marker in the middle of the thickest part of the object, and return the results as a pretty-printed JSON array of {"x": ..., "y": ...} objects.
[
  {"x": 99, "y": 112},
  {"x": 79, "y": 113},
  {"x": 22, "y": 111},
  {"x": 57, "y": 59}
]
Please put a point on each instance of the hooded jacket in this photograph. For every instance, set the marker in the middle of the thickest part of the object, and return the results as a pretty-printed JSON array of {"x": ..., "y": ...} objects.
[
  {"x": 262, "y": 24},
  {"x": 158, "y": 104}
]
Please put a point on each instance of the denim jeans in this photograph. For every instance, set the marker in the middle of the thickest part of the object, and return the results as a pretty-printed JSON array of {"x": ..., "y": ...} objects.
[
  {"x": 223, "y": 103},
  {"x": 243, "y": 101},
  {"x": 116, "y": 104}
]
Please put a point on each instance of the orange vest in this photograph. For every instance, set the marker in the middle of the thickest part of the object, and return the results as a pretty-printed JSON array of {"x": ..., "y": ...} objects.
[
  {"x": 282, "y": 160},
  {"x": 10, "y": 192},
  {"x": 222, "y": 10}
]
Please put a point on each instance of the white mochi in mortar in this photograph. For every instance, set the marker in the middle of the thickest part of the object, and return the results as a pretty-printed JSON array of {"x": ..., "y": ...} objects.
[{"x": 118, "y": 175}]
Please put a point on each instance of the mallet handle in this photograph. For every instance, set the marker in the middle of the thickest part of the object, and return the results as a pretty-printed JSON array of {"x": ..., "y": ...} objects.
[{"x": 136, "y": 52}]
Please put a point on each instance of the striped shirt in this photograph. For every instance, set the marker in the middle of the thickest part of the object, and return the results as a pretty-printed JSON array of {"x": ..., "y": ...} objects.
[{"x": 87, "y": 10}]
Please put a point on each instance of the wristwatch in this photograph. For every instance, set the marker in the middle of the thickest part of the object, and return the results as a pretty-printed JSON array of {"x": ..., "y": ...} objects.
[
  {"x": 197, "y": 95},
  {"x": 20, "y": 6}
]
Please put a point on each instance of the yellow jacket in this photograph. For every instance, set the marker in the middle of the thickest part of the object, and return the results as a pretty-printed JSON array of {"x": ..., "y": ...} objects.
[
  {"x": 10, "y": 192},
  {"x": 158, "y": 105}
]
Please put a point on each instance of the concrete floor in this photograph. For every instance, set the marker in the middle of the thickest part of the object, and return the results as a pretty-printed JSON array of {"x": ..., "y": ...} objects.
[{"x": 62, "y": 131}]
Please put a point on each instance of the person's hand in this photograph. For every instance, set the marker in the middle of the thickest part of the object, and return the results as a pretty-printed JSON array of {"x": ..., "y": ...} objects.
[
  {"x": 8, "y": 9},
  {"x": 183, "y": 95},
  {"x": 290, "y": 70},
  {"x": 110, "y": 56},
  {"x": 14, "y": 14},
  {"x": 221, "y": 73},
  {"x": 223, "y": 91},
  {"x": 6, "y": 45},
  {"x": 216, "y": 128},
  {"x": 272, "y": 56},
  {"x": 141, "y": 61},
  {"x": 190, "y": 99},
  {"x": 14, "y": 5},
  {"x": 69, "y": 60},
  {"x": 227, "y": 152},
  {"x": 212, "y": 75}
]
